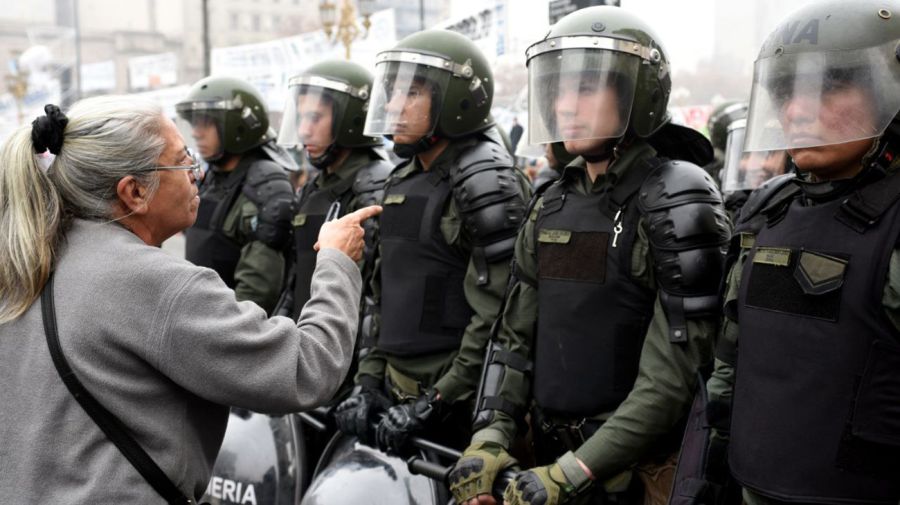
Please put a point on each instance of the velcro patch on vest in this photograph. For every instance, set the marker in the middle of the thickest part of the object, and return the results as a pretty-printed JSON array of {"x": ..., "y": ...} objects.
[
  {"x": 577, "y": 256},
  {"x": 775, "y": 256},
  {"x": 394, "y": 199},
  {"x": 779, "y": 282},
  {"x": 299, "y": 220},
  {"x": 403, "y": 222},
  {"x": 748, "y": 240},
  {"x": 554, "y": 236},
  {"x": 818, "y": 273}
]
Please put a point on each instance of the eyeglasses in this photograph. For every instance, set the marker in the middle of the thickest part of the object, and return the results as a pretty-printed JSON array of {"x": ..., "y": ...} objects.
[{"x": 194, "y": 167}]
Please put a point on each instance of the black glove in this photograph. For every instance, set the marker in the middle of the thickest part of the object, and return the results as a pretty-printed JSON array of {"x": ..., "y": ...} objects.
[
  {"x": 403, "y": 421},
  {"x": 356, "y": 414}
]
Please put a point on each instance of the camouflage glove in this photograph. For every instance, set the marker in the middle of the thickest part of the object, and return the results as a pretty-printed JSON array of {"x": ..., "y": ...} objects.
[
  {"x": 476, "y": 470},
  {"x": 548, "y": 485},
  {"x": 405, "y": 420},
  {"x": 356, "y": 415}
]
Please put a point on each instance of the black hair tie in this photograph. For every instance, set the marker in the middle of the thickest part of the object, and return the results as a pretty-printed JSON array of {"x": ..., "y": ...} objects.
[{"x": 47, "y": 131}]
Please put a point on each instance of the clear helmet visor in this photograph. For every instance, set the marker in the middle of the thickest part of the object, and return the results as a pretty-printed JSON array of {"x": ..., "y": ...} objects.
[
  {"x": 205, "y": 126},
  {"x": 311, "y": 117},
  {"x": 816, "y": 99},
  {"x": 577, "y": 94},
  {"x": 406, "y": 99},
  {"x": 748, "y": 170}
]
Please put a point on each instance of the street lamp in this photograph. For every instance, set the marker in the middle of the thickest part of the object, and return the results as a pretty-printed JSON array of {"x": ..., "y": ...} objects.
[{"x": 344, "y": 27}]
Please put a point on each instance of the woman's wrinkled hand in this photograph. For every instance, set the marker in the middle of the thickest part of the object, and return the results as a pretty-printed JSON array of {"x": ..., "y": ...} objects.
[{"x": 346, "y": 234}]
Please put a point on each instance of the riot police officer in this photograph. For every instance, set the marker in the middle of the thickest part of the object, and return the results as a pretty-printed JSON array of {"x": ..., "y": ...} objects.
[
  {"x": 743, "y": 172},
  {"x": 812, "y": 289},
  {"x": 243, "y": 224},
  {"x": 325, "y": 112},
  {"x": 616, "y": 276},
  {"x": 720, "y": 119},
  {"x": 452, "y": 210}
]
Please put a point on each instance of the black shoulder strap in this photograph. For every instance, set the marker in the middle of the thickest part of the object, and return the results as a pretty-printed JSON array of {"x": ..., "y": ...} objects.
[
  {"x": 864, "y": 208},
  {"x": 108, "y": 423}
]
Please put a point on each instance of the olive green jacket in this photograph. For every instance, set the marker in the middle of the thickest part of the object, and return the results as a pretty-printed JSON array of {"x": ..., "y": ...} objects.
[
  {"x": 664, "y": 387},
  {"x": 259, "y": 273},
  {"x": 454, "y": 375}
]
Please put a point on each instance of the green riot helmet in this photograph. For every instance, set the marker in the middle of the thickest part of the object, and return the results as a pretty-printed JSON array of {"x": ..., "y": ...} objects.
[
  {"x": 721, "y": 117},
  {"x": 326, "y": 110},
  {"x": 599, "y": 72},
  {"x": 225, "y": 115},
  {"x": 432, "y": 84},
  {"x": 828, "y": 74}
]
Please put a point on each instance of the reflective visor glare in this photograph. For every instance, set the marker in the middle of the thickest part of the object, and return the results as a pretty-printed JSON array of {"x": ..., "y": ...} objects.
[
  {"x": 310, "y": 117},
  {"x": 746, "y": 170},
  {"x": 815, "y": 99},
  {"x": 580, "y": 94},
  {"x": 406, "y": 99},
  {"x": 203, "y": 130}
]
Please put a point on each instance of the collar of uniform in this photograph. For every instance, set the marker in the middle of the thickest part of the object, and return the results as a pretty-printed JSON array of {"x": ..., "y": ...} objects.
[
  {"x": 356, "y": 160},
  {"x": 638, "y": 150},
  {"x": 444, "y": 162}
]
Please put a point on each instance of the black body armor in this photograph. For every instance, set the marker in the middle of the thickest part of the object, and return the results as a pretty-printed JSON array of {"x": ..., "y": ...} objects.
[
  {"x": 313, "y": 205},
  {"x": 818, "y": 374}
]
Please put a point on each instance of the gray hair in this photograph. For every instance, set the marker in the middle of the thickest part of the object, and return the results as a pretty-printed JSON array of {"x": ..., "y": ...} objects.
[{"x": 106, "y": 139}]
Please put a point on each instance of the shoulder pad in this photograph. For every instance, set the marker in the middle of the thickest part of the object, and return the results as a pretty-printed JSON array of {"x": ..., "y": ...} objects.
[
  {"x": 688, "y": 230},
  {"x": 771, "y": 192},
  {"x": 268, "y": 187},
  {"x": 674, "y": 183},
  {"x": 484, "y": 155},
  {"x": 372, "y": 176},
  {"x": 266, "y": 179},
  {"x": 487, "y": 189}
]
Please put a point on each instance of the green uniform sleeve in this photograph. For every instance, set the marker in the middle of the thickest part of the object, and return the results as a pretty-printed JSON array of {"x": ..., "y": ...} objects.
[
  {"x": 460, "y": 380},
  {"x": 516, "y": 334},
  {"x": 662, "y": 392},
  {"x": 260, "y": 270},
  {"x": 720, "y": 385}
]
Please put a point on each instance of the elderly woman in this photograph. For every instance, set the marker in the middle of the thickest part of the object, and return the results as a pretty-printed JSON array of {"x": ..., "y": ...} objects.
[{"x": 160, "y": 343}]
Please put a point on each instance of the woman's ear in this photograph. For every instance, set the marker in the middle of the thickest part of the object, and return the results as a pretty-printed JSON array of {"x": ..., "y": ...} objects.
[{"x": 133, "y": 195}]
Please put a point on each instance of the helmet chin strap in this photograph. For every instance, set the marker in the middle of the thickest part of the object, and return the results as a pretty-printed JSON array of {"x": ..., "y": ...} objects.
[
  {"x": 420, "y": 146},
  {"x": 326, "y": 159},
  {"x": 606, "y": 151}
]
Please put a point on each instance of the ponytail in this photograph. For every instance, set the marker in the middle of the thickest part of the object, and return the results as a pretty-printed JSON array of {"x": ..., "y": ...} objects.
[{"x": 30, "y": 216}]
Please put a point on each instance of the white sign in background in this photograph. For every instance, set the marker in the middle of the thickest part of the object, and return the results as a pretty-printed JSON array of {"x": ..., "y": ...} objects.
[
  {"x": 269, "y": 65},
  {"x": 152, "y": 71}
]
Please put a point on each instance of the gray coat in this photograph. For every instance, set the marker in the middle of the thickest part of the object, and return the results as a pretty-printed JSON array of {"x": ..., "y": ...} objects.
[{"x": 164, "y": 346}]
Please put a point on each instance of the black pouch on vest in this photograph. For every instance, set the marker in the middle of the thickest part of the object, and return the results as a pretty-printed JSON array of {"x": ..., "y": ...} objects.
[
  {"x": 871, "y": 443},
  {"x": 804, "y": 283}
]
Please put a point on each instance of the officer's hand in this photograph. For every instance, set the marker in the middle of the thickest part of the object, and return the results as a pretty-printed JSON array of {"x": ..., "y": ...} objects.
[
  {"x": 544, "y": 485},
  {"x": 356, "y": 414},
  {"x": 346, "y": 234},
  {"x": 473, "y": 475},
  {"x": 402, "y": 421}
]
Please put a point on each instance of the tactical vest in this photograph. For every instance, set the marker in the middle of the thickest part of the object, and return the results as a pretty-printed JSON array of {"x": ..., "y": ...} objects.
[
  {"x": 314, "y": 204},
  {"x": 206, "y": 244},
  {"x": 815, "y": 414},
  {"x": 423, "y": 305},
  {"x": 592, "y": 315}
]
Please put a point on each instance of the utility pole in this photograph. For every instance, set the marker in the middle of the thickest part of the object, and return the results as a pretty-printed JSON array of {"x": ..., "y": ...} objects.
[{"x": 206, "y": 50}]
